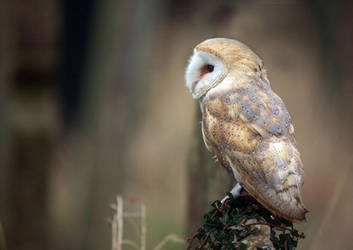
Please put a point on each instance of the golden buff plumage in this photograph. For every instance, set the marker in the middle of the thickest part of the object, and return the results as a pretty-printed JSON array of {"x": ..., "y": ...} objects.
[{"x": 246, "y": 125}]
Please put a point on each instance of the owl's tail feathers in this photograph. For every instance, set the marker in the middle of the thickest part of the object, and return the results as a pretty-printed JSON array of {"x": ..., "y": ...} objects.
[
  {"x": 299, "y": 213},
  {"x": 292, "y": 207},
  {"x": 285, "y": 202}
]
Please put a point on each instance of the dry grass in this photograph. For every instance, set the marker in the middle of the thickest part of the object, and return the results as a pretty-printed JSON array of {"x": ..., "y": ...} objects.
[{"x": 136, "y": 212}]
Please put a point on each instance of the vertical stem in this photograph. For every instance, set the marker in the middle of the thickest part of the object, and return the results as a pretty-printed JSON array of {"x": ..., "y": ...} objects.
[
  {"x": 120, "y": 222},
  {"x": 114, "y": 233}
]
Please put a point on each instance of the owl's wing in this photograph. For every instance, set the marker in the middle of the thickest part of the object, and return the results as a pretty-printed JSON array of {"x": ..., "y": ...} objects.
[
  {"x": 262, "y": 109},
  {"x": 250, "y": 129}
]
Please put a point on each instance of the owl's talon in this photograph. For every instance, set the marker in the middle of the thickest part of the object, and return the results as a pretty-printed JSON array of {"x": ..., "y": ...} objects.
[
  {"x": 224, "y": 199},
  {"x": 235, "y": 192}
]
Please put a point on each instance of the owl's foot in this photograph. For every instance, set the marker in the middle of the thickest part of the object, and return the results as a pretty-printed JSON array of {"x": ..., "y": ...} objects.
[{"x": 235, "y": 192}]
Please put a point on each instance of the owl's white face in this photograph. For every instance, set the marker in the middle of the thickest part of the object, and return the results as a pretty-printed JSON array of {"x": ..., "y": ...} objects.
[{"x": 204, "y": 72}]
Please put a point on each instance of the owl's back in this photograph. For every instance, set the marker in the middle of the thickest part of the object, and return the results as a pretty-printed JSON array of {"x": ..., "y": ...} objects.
[{"x": 249, "y": 129}]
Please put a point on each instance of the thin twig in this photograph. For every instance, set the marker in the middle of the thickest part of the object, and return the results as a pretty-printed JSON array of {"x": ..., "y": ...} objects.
[
  {"x": 120, "y": 222},
  {"x": 143, "y": 227},
  {"x": 169, "y": 238},
  {"x": 114, "y": 233},
  {"x": 191, "y": 240},
  {"x": 208, "y": 234},
  {"x": 204, "y": 242}
]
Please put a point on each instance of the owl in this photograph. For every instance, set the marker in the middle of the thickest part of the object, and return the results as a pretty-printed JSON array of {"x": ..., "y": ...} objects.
[{"x": 246, "y": 125}]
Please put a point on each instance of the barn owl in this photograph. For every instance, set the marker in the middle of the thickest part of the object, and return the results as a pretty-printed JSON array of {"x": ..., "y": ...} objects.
[{"x": 246, "y": 125}]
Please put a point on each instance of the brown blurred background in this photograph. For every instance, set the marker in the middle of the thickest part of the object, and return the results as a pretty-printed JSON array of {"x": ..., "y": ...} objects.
[{"x": 93, "y": 104}]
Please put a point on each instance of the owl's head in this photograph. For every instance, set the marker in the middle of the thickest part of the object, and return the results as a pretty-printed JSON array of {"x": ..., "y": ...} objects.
[{"x": 214, "y": 59}]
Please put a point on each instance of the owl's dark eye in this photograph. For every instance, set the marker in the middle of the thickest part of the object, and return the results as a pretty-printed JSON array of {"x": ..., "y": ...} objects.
[{"x": 210, "y": 67}]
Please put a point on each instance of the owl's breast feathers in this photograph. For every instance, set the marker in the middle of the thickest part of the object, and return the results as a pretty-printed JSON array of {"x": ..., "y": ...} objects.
[{"x": 249, "y": 129}]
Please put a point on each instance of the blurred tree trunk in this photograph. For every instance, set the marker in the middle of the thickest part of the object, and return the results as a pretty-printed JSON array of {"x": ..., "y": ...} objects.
[
  {"x": 33, "y": 122},
  {"x": 207, "y": 181},
  {"x": 5, "y": 71},
  {"x": 199, "y": 161},
  {"x": 113, "y": 105},
  {"x": 335, "y": 22}
]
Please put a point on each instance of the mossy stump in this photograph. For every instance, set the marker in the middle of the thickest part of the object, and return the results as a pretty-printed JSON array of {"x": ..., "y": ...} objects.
[{"x": 243, "y": 223}]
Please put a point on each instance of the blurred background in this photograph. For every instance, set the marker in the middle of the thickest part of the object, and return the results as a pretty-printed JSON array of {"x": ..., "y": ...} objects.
[{"x": 93, "y": 104}]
